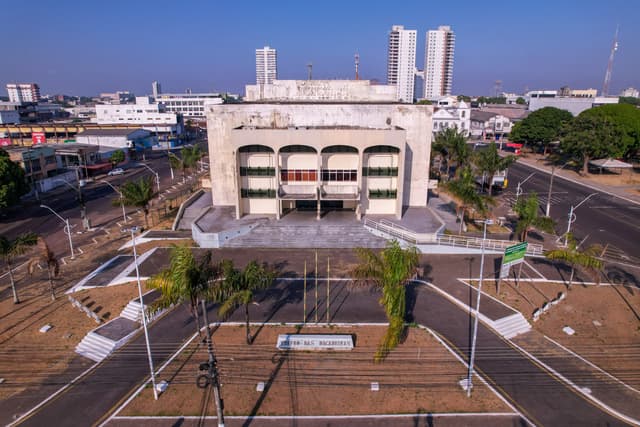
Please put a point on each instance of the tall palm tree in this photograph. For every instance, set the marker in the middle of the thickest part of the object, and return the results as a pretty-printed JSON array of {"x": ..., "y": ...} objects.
[
  {"x": 186, "y": 279},
  {"x": 528, "y": 217},
  {"x": 489, "y": 162},
  {"x": 191, "y": 156},
  {"x": 50, "y": 260},
  {"x": 575, "y": 257},
  {"x": 139, "y": 194},
  {"x": 452, "y": 145},
  {"x": 388, "y": 271},
  {"x": 10, "y": 249},
  {"x": 239, "y": 286},
  {"x": 465, "y": 191}
]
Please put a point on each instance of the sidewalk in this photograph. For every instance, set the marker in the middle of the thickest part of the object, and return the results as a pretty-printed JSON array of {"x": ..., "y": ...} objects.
[{"x": 617, "y": 190}]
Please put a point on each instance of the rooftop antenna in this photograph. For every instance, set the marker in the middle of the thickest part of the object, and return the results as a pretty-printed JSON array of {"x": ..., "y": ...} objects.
[
  {"x": 357, "y": 61},
  {"x": 607, "y": 76},
  {"x": 310, "y": 67}
]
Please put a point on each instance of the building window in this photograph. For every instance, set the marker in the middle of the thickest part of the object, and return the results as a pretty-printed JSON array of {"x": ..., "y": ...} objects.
[
  {"x": 293, "y": 175},
  {"x": 339, "y": 175}
]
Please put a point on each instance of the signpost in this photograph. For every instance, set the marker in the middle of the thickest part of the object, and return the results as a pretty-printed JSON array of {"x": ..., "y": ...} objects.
[
  {"x": 513, "y": 255},
  {"x": 38, "y": 137}
]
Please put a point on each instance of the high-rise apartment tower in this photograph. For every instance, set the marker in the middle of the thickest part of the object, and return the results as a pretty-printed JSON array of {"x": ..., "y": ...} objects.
[
  {"x": 156, "y": 89},
  {"x": 23, "y": 92},
  {"x": 438, "y": 62},
  {"x": 266, "y": 65},
  {"x": 401, "y": 61}
]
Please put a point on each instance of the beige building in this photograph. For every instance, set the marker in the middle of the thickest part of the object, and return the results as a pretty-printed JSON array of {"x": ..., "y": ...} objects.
[
  {"x": 321, "y": 91},
  {"x": 371, "y": 158}
]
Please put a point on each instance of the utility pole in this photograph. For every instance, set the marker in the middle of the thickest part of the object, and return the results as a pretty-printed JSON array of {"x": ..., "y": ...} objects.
[
  {"x": 607, "y": 75},
  {"x": 213, "y": 369},
  {"x": 310, "y": 67},
  {"x": 357, "y": 61}
]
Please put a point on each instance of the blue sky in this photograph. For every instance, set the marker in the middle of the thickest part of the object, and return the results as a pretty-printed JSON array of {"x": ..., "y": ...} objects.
[{"x": 86, "y": 47}]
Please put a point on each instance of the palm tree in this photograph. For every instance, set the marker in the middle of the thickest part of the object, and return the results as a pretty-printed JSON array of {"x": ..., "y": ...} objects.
[
  {"x": 576, "y": 257},
  {"x": 388, "y": 271},
  {"x": 191, "y": 156},
  {"x": 464, "y": 190},
  {"x": 186, "y": 279},
  {"x": 139, "y": 194},
  {"x": 489, "y": 162},
  {"x": 239, "y": 287},
  {"x": 10, "y": 249},
  {"x": 50, "y": 260},
  {"x": 452, "y": 145},
  {"x": 528, "y": 218}
]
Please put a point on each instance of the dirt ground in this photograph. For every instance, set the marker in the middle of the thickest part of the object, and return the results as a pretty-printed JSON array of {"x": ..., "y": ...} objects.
[
  {"x": 29, "y": 357},
  {"x": 606, "y": 320},
  {"x": 419, "y": 376}
]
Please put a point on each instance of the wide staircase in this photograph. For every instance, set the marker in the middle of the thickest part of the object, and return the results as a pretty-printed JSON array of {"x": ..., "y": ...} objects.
[
  {"x": 95, "y": 347},
  {"x": 133, "y": 310},
  {"x": 512, "y": 326},
  {"x": 318, "y": 235}
]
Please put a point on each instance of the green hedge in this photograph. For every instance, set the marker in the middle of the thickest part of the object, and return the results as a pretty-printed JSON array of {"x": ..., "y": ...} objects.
[
  {"x": 380, "y": 171},
  {"x": 259, "y": 193},
  {"x": 383, "y": 194},
  {"x": 257, "y": 171}
]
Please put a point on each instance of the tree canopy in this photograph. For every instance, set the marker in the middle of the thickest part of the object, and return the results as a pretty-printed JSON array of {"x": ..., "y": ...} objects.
[
  {"x": 489, "y": 162},
  {"x": 139, "y": 194},
  {"x": 541, "y": 127},
  {"x": 12, "y": 181},
  {"x": 117, "y": 157},
  {"x": 626, "y": 118}
]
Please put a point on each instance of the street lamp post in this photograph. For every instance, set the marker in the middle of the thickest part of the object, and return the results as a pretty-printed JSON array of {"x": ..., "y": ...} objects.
[
  {"x": 67, "y": 226},
  {"x": 519, "y": 188},
  {"x": 124, "y": 214},
  {"x": 572, "y": 217},
  {"x": 155, "y": 173},
  {"x": 83, "y": 210},
  {"x": 475, "y": 325},
  {"x": 144, "y": 317},
  {"x": 553, "y": 172}
]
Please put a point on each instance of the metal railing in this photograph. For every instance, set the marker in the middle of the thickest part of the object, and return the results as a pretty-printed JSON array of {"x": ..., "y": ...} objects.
[{"x": 409, "y": 236}]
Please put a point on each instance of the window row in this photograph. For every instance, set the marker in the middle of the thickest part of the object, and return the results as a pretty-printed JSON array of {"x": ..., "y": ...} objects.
[{"x": 288, "y": 175}]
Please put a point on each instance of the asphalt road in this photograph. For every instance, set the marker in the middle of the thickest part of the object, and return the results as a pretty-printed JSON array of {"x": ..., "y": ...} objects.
[
  {"x": 603, "y": 219},
  {"x": 535, "y": 392}
]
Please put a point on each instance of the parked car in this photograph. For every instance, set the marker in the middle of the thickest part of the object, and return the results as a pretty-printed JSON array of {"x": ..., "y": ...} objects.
[{"x": 116, "y": 171}]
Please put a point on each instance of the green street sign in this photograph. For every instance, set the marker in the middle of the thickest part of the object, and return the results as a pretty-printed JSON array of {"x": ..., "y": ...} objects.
[{"x": 514, "y": 254}]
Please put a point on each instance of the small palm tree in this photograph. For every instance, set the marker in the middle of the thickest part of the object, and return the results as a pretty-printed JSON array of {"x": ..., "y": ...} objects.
[
  {"x": 489, "y": 162},
  {"x": 388, "y": 271},
  {"x": 139, "y": 194},
  {"x": 239, "y": 286},
  {"x": 10, "y": 249},
  {"x": 186, "y": 279},
  {"x": 453, "y": 147},
  {"x": 528, "y": 217},
  {"x": 49, "y": 258},
  {"x": 465, "y": 191},
  {"x": 575, "y": 257}
]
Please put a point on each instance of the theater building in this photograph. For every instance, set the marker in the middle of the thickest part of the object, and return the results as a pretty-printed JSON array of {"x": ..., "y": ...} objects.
[{"x": 272, "y": 158}]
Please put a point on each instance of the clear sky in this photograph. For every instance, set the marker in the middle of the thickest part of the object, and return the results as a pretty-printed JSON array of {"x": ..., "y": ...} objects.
[{"x": 86, "y": 47}]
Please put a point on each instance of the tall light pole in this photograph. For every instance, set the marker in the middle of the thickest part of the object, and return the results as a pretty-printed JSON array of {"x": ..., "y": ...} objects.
[
  {"x": 553, "y": 172},
  {"x": 475, "y": 325},
  {"x": 124, "y": 215},
  {"x": 519, "y": 188},
  {"x": 572, "y": 217},
  {"x": 144, "y": 316},
  {"x": 83, "y": 210},
  {"x": 155, "y": 173},
  {"x": 67, "y": 227}
]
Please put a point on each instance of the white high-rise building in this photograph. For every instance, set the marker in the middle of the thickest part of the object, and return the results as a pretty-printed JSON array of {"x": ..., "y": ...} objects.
[
  {"x": 438, "y": 62},
  {"x": 266, "y": 66},
  {"x": 23, "y": 92},
  {"x": 156, "y": 89},
  {"x": 401, "y": 62}
]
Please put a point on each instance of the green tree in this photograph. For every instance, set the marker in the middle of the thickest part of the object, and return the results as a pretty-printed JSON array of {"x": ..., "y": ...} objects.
[
  {"x": 489, "y": 162},
  {"x": 465, "y": 192},
  {"x": 541, "y": 127},
  {"x": 186, "y": 279},
  {"x": 424, "y": 102},
  {"x": 575, "y": 257},
  {"x": 188, "y": 159},
  {"x": 139, "y": 194},
  {"x": 521, "y": 101},
  {"x": 629, "y": 100},
  {"x": 238, "y": 287},
  {"x": 528, "y": 217},
  {"x": 12, "y": 181},
  {"x": 453, "y": 148},
  {"x": 117, "y": 157},
  {"x": 591, "y": 137},
  {"x": 389, "y": 271},
  {"x": 10, "y": 249},
  {"x": 464, "y": 98},
  {"x": 50, "y": 260},
  {"x": 626, "y": 118}
]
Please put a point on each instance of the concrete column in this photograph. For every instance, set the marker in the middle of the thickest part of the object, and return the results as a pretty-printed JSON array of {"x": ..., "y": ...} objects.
[
  {"x": 319, "y": 181},
  {"x": 276, "y": 158}
]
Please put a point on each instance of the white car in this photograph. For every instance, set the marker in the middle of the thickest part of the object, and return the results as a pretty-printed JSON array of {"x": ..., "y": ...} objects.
[{"x": 116, "y": 171}]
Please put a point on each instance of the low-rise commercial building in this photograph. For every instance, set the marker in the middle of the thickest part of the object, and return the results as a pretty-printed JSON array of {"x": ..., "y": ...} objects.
[
  {"x": 38, "y": 162},
  {"x": 9, "y": 117},
  {"x": 189, "y": 105},
  {"x": 485, "y": 124},
  {"x": 457, "y": 116},
  {"x": 123, "y": 139}
]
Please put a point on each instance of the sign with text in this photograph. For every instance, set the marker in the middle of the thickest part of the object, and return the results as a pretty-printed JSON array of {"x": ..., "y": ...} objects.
[
  {"x": 5, "y": 142},
  {"x": 514, "y": 254},
  {"x": 38, "y": 137},
  {"x": 314, "y": 342}
]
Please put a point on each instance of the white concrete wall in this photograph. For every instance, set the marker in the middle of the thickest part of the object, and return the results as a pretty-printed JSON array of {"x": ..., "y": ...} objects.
[
  {"x": 340, "y": 161},
  {"x": 260, "y": 206},
  {"x": 298, "y": 161}
]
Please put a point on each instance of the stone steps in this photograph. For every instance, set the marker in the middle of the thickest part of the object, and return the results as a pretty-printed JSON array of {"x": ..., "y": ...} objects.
[
  {"x": 95, "y": 347},
  {"x": 133, "y": 310},
  {"x": 305, "y": 236},
  {"x": 512, "y": 325}
]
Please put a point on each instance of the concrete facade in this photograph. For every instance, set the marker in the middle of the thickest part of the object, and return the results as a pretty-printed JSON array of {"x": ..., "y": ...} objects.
[
  {"x": 372, "y": 158},
  {"x": 320, "y": 90},
  {"x": 401, "y": 62}
]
